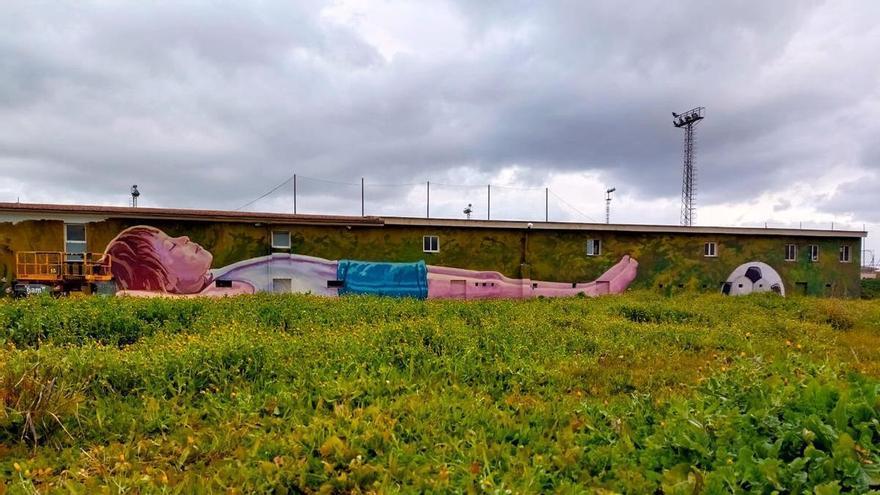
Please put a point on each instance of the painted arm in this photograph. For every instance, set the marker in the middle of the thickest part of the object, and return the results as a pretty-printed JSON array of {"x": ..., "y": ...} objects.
[{"x": 452, "y": 283}]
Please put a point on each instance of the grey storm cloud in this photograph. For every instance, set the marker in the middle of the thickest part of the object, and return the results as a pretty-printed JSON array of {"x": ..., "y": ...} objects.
[
  {"x": 859, "y": 195},
  {"x": 209, "y": 106}
]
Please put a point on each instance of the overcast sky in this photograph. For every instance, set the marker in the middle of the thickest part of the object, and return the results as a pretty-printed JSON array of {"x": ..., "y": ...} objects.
[{"x": 209, "y": 106}]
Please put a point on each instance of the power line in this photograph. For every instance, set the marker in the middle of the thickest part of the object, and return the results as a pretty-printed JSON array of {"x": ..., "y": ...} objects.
[
  {"x": 328, "y": 181},
  {"x": 462, "y": 186},
  {"x": 566, "y": 203},
  {"x": 267, "y": 193}
]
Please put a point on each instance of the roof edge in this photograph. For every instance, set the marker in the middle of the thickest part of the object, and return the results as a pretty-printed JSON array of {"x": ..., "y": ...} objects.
[
  {"x": 311, "y": 219},
  {"x": 604, "y": 227},
  {"x": 189, "y": 214}
]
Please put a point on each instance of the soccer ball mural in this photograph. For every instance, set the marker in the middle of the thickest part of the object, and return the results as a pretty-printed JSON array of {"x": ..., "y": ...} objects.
[{"x": 753, "y": 276}]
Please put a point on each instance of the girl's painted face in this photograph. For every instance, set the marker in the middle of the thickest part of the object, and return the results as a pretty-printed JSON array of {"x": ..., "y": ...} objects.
[{"x": 186, "y": 262}]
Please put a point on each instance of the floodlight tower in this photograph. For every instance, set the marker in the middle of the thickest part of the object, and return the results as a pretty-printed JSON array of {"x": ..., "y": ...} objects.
[
  {"x": 688, "y": 120},
  {"x": 134, "y": 195},
  {"x": 608, "y": 204}
]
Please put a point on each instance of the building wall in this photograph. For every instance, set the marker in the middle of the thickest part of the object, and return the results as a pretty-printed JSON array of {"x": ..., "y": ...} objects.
[
  {"x": 667, "y": 262},
  {"x": 31, "y": 235}
]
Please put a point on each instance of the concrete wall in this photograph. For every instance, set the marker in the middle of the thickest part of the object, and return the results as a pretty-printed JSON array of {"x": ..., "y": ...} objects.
[{"x": 667, "y": 262}]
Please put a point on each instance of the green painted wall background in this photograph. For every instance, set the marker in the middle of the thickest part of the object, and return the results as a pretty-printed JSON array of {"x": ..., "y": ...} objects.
[{"x": 674, "y": 261}]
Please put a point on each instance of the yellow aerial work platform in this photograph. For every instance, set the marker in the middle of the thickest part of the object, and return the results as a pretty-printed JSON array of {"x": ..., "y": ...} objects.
[{"x": 62, "y": 271}]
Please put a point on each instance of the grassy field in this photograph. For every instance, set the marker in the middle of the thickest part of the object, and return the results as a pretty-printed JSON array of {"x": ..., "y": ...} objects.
[{"x": 290, "y": 394}]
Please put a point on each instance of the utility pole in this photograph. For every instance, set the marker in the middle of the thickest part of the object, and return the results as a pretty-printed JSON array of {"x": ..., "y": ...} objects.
[
  {"x": 488, "y": 202},
  {"x": 546, "y": 204},
  {"x": 362, "y": 196},
  {"x": 294, "y": 194},
  {"x": 428, "y": 202}
]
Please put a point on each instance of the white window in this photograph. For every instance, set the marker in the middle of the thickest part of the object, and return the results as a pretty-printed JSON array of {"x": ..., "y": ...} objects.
[
  {"x": 844, "y": 253},
  {"x": 790, "y": 252},
  {"x": 431, "y": 244},
  {"x": 280, "y": 239},
  {"x": 74, "y": 241},
  {"x": 710, "y": 250},
  {"x": 594, "y": 247},
  {"x": 814, "y": 252}
]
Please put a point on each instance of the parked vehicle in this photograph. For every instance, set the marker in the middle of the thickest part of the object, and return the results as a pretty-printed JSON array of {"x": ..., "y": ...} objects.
[{"x": 56, "y": 272}]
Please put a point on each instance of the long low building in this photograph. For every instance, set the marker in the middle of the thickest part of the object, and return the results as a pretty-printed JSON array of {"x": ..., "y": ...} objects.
[{"x": 146, "y": 251}]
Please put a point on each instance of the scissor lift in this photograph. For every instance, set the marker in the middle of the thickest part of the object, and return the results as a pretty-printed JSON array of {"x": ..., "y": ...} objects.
[{"x": 60, "y": 273}]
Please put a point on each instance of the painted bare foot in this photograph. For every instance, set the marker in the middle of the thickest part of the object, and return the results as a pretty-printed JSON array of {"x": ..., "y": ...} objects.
[
  {"x": 619, "y": 276},
  {"x": 614, "y": 281}
]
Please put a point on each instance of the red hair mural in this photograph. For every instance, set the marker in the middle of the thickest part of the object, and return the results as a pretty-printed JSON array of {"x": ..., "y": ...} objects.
[{"x": 147, "y": 259}]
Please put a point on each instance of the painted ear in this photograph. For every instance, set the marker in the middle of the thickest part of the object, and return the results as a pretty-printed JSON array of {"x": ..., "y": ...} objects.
[
  {"x": 725, "y": 289},
  {"x": 754, "y": 274},
  {"x": 776, "y": 288}
]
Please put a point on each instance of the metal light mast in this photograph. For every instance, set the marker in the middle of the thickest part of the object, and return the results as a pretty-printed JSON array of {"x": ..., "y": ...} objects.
[
  {"x": 608, "y": 204},
  {"x": 688, "y": 120},
  {"x": 134, "y": 195}
]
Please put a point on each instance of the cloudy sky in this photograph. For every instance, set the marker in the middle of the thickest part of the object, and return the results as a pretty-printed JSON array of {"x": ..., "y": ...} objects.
[{"x": 211, "y": 105}]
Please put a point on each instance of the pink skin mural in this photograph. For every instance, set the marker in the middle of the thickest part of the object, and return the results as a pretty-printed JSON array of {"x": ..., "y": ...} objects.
[
  {"x": 457, "y": 283},
  {"x": 147, "y": 262}
]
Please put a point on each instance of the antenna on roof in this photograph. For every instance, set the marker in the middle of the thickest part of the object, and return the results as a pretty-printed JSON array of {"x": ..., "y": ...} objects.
[{"x": 134, "y": 195}]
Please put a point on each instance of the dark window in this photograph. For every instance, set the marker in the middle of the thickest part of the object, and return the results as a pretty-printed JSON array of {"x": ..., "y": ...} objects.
[
  {"x": 431, "y": 244},
  {"x": 74, "y": 241},
  {"x": 335, "y": 283},
  {"x": 814, "y": 252},
  {"x": 844, "y": 254},
  {"x": 790, "y": 252},
  {"x": 594, "y": 247},
  {"x": 710, "y": 250},
  {"x": 223, "y": 283}
]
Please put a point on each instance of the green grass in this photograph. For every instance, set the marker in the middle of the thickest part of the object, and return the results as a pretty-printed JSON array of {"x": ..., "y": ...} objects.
[
  {"x": 291, "y": 394},
  {"x": 870, "y": 288}
]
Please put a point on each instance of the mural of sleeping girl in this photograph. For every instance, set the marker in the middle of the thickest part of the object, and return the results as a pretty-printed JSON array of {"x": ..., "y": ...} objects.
[{"x": 148, "y": 262}]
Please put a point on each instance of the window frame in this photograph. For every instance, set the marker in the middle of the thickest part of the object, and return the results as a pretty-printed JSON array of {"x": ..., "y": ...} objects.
[
  {"x": 594, "y": 245},
  {"x": 845, "y": 248},
  {"x": 272, "y": 239},
  {"x": 794, "y": 252},
  {"x": 814, "y": 253},
  {"x": 428, "y": 243},
  {"x": 714, "y": 249},
  {"x": 69, "y": 255}
]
